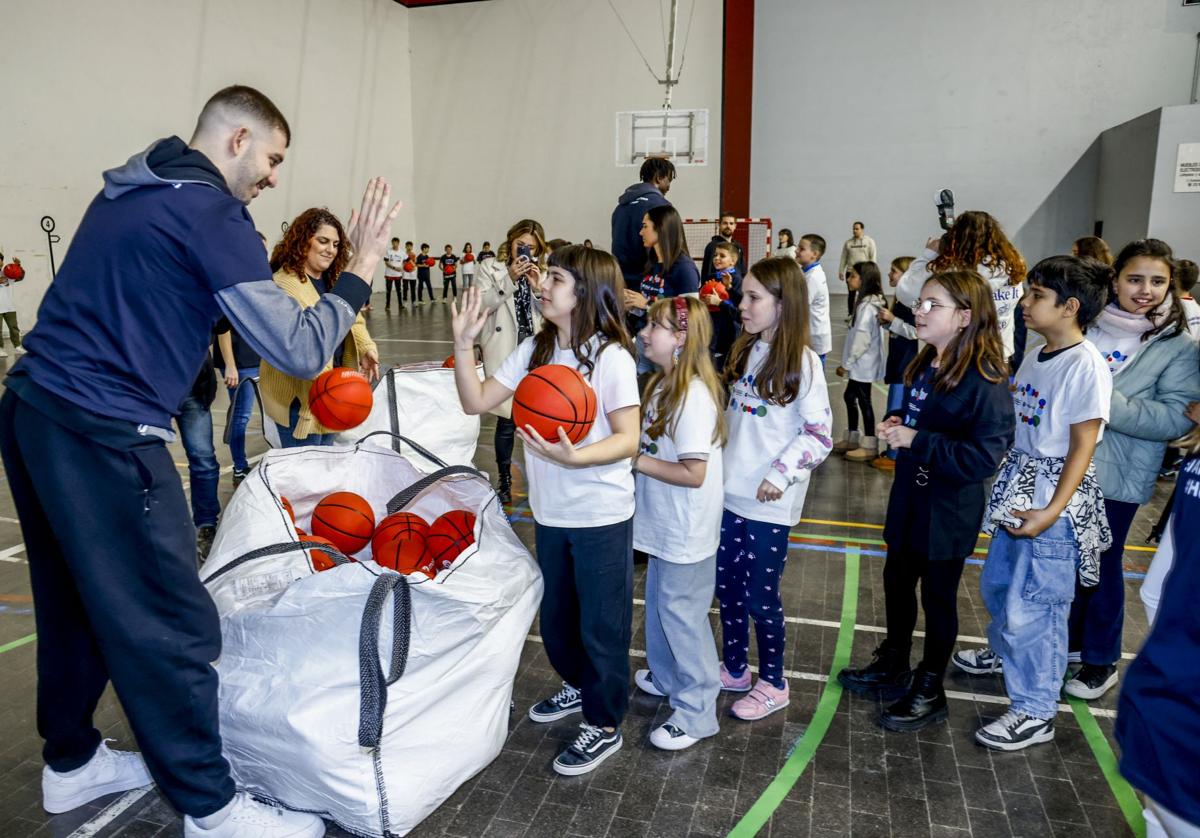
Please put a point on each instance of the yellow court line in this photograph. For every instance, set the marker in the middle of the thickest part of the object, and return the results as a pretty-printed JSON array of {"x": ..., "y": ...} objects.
[{"x": 860, "y": 525}]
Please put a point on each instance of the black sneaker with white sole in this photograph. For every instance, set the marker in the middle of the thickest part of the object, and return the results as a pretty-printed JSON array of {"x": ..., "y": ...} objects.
[
  {"x": 566, "y": 701},
  {"x": 1091, "y": 681},
  {"x": 978, "y": 661},
  {"x": 1014, "y": 731},
  {"x": 591, "y": 747}
]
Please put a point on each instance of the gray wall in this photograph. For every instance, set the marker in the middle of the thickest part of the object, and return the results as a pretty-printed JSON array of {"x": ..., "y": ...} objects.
[
  {"x": 1126, "y": 178},
  {"x": 1175, "y": 216},
  {"x": 863, "y": 108}
]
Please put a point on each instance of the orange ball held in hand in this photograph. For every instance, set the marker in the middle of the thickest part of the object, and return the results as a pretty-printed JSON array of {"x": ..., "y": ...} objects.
[
  {"x": 554, "y": 395},
  {"x": 346, "y": 519},
  {"x": 713, "y": 287},
  {"x": 449, "y": 535},
  {"x": 340, "y": 399}
]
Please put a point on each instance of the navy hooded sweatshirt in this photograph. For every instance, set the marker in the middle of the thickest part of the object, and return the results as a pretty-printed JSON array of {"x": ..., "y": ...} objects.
[
  {"x": 633, "y": 204},
  {"x": 160, "y": 255}
]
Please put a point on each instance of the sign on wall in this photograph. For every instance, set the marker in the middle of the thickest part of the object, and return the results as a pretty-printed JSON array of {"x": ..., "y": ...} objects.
[{"x": 1187, "y": 168}]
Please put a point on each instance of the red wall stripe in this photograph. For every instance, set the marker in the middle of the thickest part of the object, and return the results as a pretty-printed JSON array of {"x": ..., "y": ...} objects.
[{"x": 737, "y": 106}]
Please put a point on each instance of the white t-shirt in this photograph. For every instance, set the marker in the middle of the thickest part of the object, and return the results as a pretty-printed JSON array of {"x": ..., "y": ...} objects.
[
  {"x": 675, "y": 523},
  {"x": 1072, "y": 386},
  {"x": 468, "y": 266},
  {"x": 781, "y": 444},
  {"x": 393, "y": 262},
  {"x": 1191, "y": 310},
  {"x": 820, "y": 329},
  {"x": 594, "y": 496},
  {"x": 7, "y": 301}
]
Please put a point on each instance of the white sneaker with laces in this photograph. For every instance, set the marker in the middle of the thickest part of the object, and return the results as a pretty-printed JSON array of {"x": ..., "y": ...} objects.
[
  {"x": 248, "y": 818},
  {"x": 107, "y": 772},
  {"x": 1014, "y": 731}
]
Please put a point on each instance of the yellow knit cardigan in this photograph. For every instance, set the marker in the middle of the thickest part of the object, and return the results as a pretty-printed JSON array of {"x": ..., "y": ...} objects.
[{"x": 279, "y": 390}]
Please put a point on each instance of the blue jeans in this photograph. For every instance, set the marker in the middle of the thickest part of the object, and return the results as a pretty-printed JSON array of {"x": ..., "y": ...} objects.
[
  {"x": 895, "y": 401},
  {"x": 286, "y": 440},
  {"x": 1027, "y": 586},
  {"x": 243, "y": 405},
  {"x": 196, "y": 433}
]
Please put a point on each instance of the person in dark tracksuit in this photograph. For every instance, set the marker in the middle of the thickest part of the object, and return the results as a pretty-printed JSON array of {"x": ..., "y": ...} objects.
[
  {"x": 952, "y": 430},
  {"x": 161, "y": 254}
]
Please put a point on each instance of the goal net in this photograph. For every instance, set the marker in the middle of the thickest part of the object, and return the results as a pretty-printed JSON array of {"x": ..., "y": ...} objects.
[{"x": 753, "y": 234}]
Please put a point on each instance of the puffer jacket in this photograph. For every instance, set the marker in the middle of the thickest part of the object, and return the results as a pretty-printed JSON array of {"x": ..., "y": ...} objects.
[{"x": 1149, "y": 396}]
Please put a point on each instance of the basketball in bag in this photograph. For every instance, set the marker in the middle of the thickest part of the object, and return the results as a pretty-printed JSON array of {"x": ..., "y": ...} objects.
[
  {"x": 346, "y": 519},
  {"x": 449, "y": 535}
]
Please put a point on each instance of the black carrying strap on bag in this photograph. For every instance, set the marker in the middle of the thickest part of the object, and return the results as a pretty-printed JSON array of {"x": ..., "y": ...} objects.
[
  {"x": 407, "y": 495},
  {"x": 398, "y": 438},
  {"x": 373, "y": 683},
  {"x": 280, "y": 549}
]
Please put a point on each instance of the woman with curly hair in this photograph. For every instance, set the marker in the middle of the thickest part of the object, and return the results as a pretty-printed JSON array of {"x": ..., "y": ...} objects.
[
  {"x": 976, "y": 242},
  {"x": 307, "y": 261}
]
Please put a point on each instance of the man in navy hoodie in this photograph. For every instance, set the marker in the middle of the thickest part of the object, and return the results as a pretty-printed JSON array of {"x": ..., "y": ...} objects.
[
  {"x": 657, "y": 174},
  {"x": 163, "y": 252}
]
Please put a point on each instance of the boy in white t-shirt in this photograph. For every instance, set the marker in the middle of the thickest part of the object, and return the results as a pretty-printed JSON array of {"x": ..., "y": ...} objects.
[
  {"x": 1185, "y": 278},
  {"x": 1046, "y": 512},
  {"x": 393, "y": 270},
  {"x": 808, "y": 254}
]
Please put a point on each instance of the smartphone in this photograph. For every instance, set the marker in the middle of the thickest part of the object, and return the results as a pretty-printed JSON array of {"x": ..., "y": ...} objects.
[
  {"x": 525, "y": 252},
  {"x": 943, "y": 199}
]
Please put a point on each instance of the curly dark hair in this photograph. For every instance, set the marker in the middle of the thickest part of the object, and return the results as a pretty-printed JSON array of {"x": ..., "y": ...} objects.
[
  {"x": 977, "y": 239},
  {"x": 291, "y": 253}
]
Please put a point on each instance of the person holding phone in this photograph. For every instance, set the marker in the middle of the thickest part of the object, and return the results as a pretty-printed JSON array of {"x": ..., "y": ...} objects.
[{"x": 509, "y": 287}]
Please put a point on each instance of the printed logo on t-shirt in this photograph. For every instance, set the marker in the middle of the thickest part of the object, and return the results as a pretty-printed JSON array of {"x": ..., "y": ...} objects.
[
  {"x": 652, "y": 286},
  {"x": 1029, "y": 404},
  {"x": 744, "y": 387},
  {"x": 1115, "y": 359},
  {"x": 917, "y": 395}
]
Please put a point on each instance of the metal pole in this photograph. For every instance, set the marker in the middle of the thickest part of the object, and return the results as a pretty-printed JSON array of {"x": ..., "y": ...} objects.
[
  {"x": 1195, "y": 72},
  {"x": 671, "y": 80}
]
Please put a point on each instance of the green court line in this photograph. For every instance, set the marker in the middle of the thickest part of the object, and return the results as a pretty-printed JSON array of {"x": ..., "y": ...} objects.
[
  {"x": 1107, "y": 760},
  {"x": 806, "y": 748},
  {"x": 8, "y": 647}
]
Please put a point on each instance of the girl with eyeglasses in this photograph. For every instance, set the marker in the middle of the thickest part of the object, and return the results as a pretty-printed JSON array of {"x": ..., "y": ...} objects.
[{"x": 952, "y": 430}]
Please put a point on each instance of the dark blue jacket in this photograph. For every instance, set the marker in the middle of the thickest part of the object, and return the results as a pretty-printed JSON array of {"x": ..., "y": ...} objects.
[
  {"x": 161, "y": 253},
  {"x": 633, "y": 204}
]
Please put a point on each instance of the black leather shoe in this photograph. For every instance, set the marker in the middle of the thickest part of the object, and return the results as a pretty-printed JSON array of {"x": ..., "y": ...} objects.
[
  {"x": 924, "y": 705},
  {"x": 887, "y": 674}
]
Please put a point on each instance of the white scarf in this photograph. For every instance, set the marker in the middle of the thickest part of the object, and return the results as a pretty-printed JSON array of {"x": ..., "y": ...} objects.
[{"x": 1118, "y": 333}]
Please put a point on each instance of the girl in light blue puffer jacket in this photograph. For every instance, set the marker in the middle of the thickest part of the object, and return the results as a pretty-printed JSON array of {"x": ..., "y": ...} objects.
[{"x": 1156, "y": 373}]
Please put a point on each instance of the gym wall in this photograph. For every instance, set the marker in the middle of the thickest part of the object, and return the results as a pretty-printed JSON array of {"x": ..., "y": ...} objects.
[
  {"x": 863, "y": 109},
  {"x": 83, "y": 86}
]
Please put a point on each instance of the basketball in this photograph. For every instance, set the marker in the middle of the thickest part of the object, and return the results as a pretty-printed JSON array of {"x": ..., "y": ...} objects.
[
  {"x": 405, "y": 554},
  {"x": 398, "y": 525},
  {"x": 468, "y": 257},
  {"x": 345, "y": 519},
  {"x": 287, "y": 507},
  {"x": 340, "y": 399},
  {"x": 448, "y": 363},
  {"x": 449, "y": 535},
  {"x": 714, "y": 286},
  {"x": 430, "y": 262},
  {"x": 554, "y": 395},
  {"x": 410, "y": 266},
  {"x": 320, "y": 559}
]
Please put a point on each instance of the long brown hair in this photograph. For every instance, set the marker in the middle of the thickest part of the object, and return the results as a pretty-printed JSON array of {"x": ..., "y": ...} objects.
[
  {"x": 694, "y": 361},
  {"x": 598, "y": 308},
  {"x": 977, "y": 239},
  {"x": 668, "y": 224},
  {"x": 1095, "y": 247},
  {"x": 1176, "y": 320},
  {"x": 978, "y": 345},
  {"x": 291, "y": 253},
  {"x": 781, "y": 378}
]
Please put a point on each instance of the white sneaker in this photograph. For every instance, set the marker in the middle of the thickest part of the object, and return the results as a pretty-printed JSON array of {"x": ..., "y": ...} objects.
[
  {"x": 108, "y": 772},
  {"x": 671, "y": 738},
  {"x": 20, "y": 350},
  {"x": 248, "y": 818},
  {"x": 644, "y": 679}
]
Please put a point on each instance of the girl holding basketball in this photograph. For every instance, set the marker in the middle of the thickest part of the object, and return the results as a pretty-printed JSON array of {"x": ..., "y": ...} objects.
[
  {"x": 679, "y": 496},
  {"x": 779, "y": 431},
  {"x": 313, "y": 248},
  {"x": 581, "y": 493}
]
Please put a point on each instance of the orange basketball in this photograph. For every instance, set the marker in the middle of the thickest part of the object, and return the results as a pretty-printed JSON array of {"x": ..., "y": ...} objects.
[
  {"x": 410, "y": 266},
  {"x": 554, "y": 395},
  {"x": 287, "y": 507},
  {"x": 320, "y": 559},
  {"x": 406, "y": 554},
  {"x": 714, "y": 286},
  {"x": 340, "y": 399},
  {"x": 345, "y": 519},
  {"x": 448, "y": 363},
  {"x": 449, "y": 535},
  {"x": 398, "y": 525}
]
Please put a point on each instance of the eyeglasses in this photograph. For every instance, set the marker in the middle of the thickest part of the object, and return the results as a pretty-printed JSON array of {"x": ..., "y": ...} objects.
[{"x": 926, "y": 306}]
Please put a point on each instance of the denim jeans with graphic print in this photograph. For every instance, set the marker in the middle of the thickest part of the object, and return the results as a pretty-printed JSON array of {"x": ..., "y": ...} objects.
[{"x": 1027, "y": 586}]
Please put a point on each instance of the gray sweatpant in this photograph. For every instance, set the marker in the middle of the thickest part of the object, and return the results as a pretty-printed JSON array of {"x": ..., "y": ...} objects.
[{"x": 680, "y": 647}]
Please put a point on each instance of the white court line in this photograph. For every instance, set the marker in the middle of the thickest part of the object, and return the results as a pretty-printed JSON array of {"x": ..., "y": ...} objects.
[
  {"x": 9, "y": 554},
  {"x": 808, "y": 621},
  {"x": 816, "y": 676},
  {"x": 9, "y": 520},
  {"x": 110, "y": 813}
]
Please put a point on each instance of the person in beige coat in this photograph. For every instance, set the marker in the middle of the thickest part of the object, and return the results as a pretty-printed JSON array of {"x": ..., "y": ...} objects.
[
  {"x": 511, "y": 297},
  {"x": 314, "y": 247}
]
